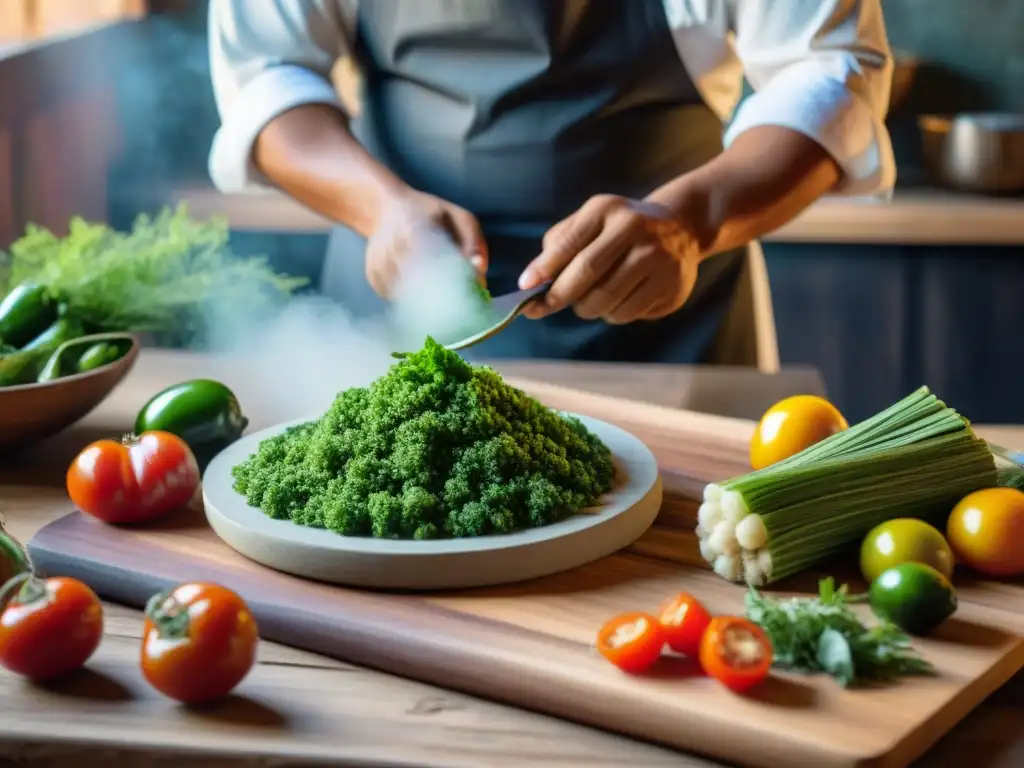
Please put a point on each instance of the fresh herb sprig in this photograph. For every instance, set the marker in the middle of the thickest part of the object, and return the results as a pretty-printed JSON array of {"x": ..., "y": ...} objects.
[
  {"x": 822, "y": 634},
  {"x": 170, "y": 275}
]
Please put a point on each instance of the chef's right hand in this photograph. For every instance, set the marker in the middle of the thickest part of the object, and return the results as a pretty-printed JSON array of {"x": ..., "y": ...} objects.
[{"x": 409, "y": 225}]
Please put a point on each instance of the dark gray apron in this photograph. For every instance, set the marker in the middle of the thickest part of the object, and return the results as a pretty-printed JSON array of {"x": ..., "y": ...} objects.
[{"x": 519, "y": 110}]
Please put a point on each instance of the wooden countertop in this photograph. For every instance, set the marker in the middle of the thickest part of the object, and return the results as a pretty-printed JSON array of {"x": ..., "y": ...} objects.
[
  {"x": 913, "y": 217},
  {"x": 299, "y": 707}
]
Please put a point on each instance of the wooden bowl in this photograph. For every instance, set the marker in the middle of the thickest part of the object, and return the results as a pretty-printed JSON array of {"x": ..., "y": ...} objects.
[{"x": 32, "y": 412}]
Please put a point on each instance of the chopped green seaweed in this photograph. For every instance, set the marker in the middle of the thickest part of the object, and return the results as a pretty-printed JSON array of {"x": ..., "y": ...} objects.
[{"x": 436, "y": 448}]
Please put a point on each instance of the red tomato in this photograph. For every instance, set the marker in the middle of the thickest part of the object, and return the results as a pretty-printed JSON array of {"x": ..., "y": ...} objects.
[
  {"x": 49, "y": 627},
  {"x": 139, "y": 479},
  {"x": 632, "y": 641},
  {"x": 198, "y": 642},
  {"x": 736, "y": 652},
  {"x": 684, "y": 620}
]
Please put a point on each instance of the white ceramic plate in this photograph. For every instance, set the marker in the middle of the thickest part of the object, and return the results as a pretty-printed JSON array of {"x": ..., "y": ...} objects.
[{"x": 626, "y": 512}]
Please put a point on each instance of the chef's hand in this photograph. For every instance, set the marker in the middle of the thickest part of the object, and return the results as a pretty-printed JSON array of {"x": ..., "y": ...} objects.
[
  {"x": 410, "y": 224},
  {"x": 616, "y": 259}
]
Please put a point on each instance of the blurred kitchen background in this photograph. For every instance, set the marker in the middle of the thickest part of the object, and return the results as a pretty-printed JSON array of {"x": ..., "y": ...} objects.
[{"x": 106, "y": 111}]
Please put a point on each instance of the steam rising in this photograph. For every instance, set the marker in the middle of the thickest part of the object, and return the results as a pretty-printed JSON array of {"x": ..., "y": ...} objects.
[
  {"x": 434, "y": 295},
  {"x": 295, "y": 364}
]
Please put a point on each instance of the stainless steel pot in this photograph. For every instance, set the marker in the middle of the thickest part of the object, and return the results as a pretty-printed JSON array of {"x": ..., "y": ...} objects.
[{"x": 979, "y": 152}]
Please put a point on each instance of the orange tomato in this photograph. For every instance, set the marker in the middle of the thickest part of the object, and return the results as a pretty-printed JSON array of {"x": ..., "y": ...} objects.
[
  {"x": 50, "y": 627},
  {"x": 790, "y": 426},
  {"x": 198, "y": 643},
  {"x": 986, "y": 531},
  {"x": 135, "y": 480},
  {"x": 684, "y": 620},
  {"x": 736, "y": 652},
  {"x": 632, "y": 641}
]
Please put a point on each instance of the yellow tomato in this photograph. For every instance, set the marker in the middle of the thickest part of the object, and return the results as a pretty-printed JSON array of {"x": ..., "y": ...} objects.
[
  {"x": 905, "y": 540},
  {"x": 986, "y": 531},
  {"x": 790, "y": 426}
]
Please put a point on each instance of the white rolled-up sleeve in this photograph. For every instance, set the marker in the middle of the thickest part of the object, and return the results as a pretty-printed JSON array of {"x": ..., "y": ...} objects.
[
  {"x": 822, "y": 68},
  {"x": 266, "y": 57}
]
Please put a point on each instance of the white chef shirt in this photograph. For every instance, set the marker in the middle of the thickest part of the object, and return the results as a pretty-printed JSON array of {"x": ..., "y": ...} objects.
[{"x": 819, "y": 67}]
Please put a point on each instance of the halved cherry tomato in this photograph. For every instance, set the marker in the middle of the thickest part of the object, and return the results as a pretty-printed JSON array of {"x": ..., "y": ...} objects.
[
  {"x": 135, "y": 480},
  {"x": 684, "y": 620},
  {"x": 736, "y": 652},
  {"x": 198, "y": 643},
  {"x": 632, "y": 641},
  {"x": 49, "y": 627}
]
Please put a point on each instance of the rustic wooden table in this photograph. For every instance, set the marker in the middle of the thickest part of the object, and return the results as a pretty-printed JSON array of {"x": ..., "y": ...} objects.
[{"x": 299, "y": 708}]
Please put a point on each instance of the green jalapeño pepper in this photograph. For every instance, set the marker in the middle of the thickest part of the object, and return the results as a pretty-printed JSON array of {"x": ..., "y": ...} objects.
[
  {"x": 86, "y": 353},
  {"x": 12, "y": 557},
  {"x": 25, "y": 365},
  {"x": 25, "y": 313},
  {"x": 202, "y": 412},
  {"x": 98, "y": 355},
  {"x": 63, "y": 329}
]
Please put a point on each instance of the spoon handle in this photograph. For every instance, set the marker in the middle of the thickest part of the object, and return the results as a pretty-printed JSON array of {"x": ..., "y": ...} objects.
[{"x": 512, "y": 304}]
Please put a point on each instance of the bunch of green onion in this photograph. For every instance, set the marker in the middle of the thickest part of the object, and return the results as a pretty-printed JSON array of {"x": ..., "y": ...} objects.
[{"x": 917, "y": 458}]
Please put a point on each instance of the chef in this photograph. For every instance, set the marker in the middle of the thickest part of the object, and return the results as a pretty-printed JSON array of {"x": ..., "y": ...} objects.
[{"x": 579, "y": 141}]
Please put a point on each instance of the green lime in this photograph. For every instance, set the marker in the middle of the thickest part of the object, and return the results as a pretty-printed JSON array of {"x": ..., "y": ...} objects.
[{"x": 913, "y": 596}]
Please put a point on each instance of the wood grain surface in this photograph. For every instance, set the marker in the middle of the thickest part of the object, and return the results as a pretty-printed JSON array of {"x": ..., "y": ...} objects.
[{"x": 529, "y": 644}]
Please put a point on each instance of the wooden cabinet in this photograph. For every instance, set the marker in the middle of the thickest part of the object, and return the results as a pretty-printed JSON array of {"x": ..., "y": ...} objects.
[
  {"x": 30, "y": 19},
  {"x": 844, "y": 310},
  {"x": 880, "y": 321},
  {"x": 970, "y": 319},
  {"x": 58, "y": 129},
  {"x": 54, "y": 17},
  {"x": 15, "y": 21}
]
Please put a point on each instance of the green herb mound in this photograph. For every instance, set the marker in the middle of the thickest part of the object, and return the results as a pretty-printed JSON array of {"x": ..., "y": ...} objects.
[{"x": 436, "y": 448}]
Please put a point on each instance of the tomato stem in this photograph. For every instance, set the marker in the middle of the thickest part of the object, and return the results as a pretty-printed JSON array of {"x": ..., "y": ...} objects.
[
  {"x": 12, "y": 585},
  {"x": 168, "y": 615},
  {"x": 129, "y": 440},
  {"x": 14, "y": 542},
  {"x": 27, "y": 586}
]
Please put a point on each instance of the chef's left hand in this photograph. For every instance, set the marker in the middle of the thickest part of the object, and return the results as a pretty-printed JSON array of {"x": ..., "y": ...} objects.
[{"x": 616, "y": 259}]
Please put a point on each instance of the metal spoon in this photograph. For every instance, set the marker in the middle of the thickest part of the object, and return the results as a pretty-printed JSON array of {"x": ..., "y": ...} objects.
[{"x": 507, "y": 308}]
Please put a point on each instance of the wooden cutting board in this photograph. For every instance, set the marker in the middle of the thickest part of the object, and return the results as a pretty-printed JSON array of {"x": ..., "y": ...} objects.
[{"x": 529, "y": 644}]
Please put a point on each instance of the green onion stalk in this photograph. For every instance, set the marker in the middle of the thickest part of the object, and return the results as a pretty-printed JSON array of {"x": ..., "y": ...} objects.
[{"x": 917, "y": 458}]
